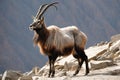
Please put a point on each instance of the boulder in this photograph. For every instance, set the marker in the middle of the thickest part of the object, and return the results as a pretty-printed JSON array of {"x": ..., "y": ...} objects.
[
  {"x": 115, "y": 38},
  {"x": 71, "y": 66},
  {"x": 101, "y": 43},
  {"x": 115, "y": 72},
  {"x": 96, "y": 51},
  {"x": 61, "y": 73},
  {"x": 11, "y": 75},
  {"x": 34, "y": 71},
  {"x": 117, "y": 59},
  {"x": 25, "y": 77},
  {"x": 44, "y": 71},
  {"x": 115, "y": 46},
  {"x": 99, "y": 55},
  {"x": 111, "y": 52},
  {"x": 100, "y": 64}
]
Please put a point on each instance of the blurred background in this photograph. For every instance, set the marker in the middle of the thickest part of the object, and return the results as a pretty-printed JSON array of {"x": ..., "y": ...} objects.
[{"x": 99, "y": 19}]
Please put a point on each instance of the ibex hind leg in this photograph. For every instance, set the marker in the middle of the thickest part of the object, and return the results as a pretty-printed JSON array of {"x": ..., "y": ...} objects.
[
  {"x": 80, "y": 55},
  {"x": 80, "y": 62},
  {"x": 87, "y": 67},
  {"x": 85, "y": 58}
]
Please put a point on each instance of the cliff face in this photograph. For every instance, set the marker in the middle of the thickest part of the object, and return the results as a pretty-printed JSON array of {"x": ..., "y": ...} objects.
[{"x": 98, "y": 19}]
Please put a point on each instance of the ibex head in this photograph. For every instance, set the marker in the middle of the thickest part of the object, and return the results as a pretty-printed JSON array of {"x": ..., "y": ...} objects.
[{"x": 38, "y": 20}]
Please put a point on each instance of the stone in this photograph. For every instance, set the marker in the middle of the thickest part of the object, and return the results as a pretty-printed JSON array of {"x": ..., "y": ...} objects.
[
  {"x": 100, "y": 64},
  {"x": 61, "y": 73},
  {"x": 116, "y": 54},
  {"x": 34, "y": 71},
  {"x": 44, "y": 72},
  {"x": 115, "y": 37},
  {"x": 59, "y": 67},
  {"x": 25, "y": 78},
  {"x": 67, "y": 78},
  {"x": 96, "y": 51},
  {"x": 11, "y": 75},
  {"x": 117, "y": 59},
  {"x": 115, "y": 46},
  {"x": 115, "y": 72},
  {"x": 71, "y": 66},
  {"x": 98, "y": 55},
  {"x": 101, "y": 43}
]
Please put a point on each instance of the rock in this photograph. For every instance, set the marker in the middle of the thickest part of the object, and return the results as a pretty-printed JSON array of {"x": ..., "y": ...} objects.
[
  {"x": 59, "y": 67},
  {"x": 115, "y": 46},
  {"x": 117, "y": 59},
  {"x": 25, "y": 78},
  {"x": 104, "y": 56},
  {"x": 115, "y": 38},
  {"x": 112, "y": 51},
  {"x": 61, "y": 73},
  {"x": 34, "y": 71},
  {"x": 11, "y": 75},
  {"x": 101, "y": 43},
  {"x": 115, "y": 72},
  {"x": 67, "y": 78},
  {"x": 100, "y": 64},
  {"x": 71, "y": 66},
  {"x": 96, "y": 51},
  {"x": 98, "y": 55},
  {"x": 44, "y": 72},
  {"x": 113, "y": 55},
  {"x": 38, "y": 78},
  {"x": 116, "y": 54}
]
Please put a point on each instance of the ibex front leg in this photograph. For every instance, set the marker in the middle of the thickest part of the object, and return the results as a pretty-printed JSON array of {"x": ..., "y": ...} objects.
[{"x": 51, "y": 64}]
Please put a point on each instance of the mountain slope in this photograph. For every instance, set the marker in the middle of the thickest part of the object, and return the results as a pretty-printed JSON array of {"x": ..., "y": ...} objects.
[{"x": 98, "y": 19}]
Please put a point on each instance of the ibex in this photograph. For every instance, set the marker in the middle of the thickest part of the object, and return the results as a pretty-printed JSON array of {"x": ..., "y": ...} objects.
[{"x": 54, "y": 41}]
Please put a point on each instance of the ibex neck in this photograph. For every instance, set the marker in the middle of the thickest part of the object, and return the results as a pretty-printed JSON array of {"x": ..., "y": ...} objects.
[{"x": 41, "y": 36}]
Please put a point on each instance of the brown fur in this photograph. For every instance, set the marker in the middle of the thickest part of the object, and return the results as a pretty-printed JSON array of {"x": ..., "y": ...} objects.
[
  {"x": 54, "y": 41},
  {"x": 59, "y": 39}
]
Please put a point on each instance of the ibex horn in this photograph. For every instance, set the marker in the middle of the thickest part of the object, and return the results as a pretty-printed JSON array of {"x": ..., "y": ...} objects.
[
  {"x": 39, "y": 10},
  {"x": 52, "y": 4}
]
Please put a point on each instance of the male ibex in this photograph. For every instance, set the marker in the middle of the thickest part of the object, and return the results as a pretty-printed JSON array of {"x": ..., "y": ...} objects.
[{"x": 54, "y": 41}]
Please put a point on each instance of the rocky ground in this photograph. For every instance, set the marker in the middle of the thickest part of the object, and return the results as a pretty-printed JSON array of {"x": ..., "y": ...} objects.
[{"x": 104, "y": 63}]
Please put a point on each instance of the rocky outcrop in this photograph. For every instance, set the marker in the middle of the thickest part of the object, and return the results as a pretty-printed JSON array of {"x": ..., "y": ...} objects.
[
  {"x": 99, "y": 19},
  {"x": 11, "y": 75},
  {"x": 101, "y": 56},
  {"x": 101, "y": 64},
  {"x": 115, "y": 37}
]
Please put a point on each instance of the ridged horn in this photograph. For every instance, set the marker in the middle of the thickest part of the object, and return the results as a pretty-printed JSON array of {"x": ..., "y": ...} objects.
[
  {"x": 39, "y": 10},
  {"x": 46, "y": 7}
]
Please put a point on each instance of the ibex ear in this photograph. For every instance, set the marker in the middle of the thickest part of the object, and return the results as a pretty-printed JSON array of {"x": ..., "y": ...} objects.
[
  {"x": 42, "y": 20},
  {"x": 34, "y": 19}
]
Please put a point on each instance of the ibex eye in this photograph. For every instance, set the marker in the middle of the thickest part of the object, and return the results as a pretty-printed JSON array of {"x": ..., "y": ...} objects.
[{"x": 38, "y": 22}]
